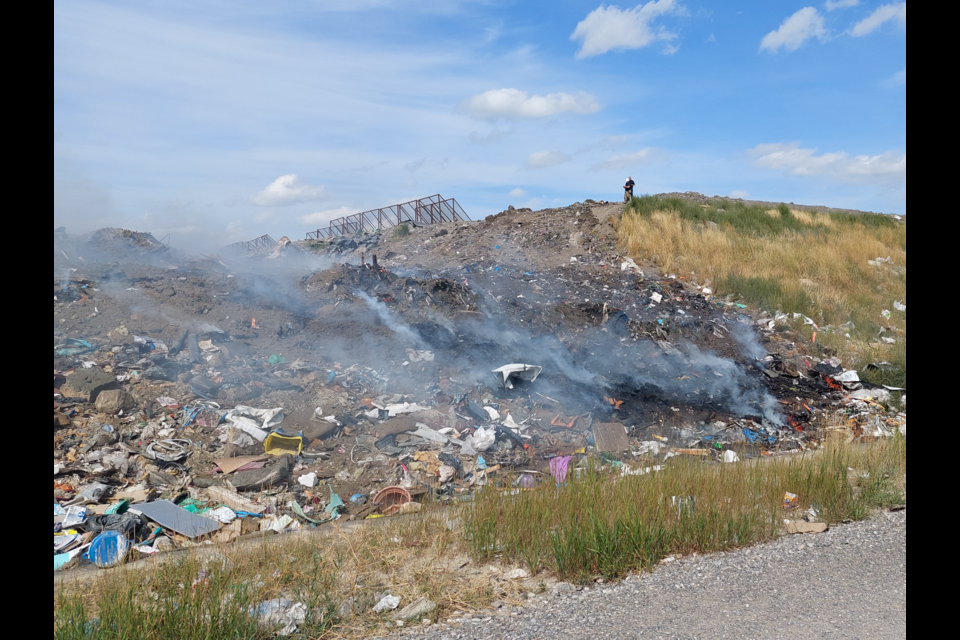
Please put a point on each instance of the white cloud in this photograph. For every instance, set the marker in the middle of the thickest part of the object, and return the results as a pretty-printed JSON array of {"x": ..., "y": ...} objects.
[
  {"x": 804, "y": 24},
  {"x": 543, "y": 159},
  {"x": 287, "y": 190},
  {"x": 485, "y": 139},
  {"x": 881, "y": 15},
  {"x": 669, "y": 49},
  {"x": 833, "y": 5},
  {"x": 322, "y": 217},
  {"x": 510, "y": 104},
  {"x": 899, "y": 79},
  {"x": 739, "y": 193},
  {"x": 796, "y": 161},
  {"x": 612, "y": 28},
  {"x": 517, "y": 193},
  {"x": 624, "y": 161}
]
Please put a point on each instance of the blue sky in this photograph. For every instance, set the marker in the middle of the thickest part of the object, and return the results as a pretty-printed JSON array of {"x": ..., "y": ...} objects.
[{"x": 221, "y": 121}]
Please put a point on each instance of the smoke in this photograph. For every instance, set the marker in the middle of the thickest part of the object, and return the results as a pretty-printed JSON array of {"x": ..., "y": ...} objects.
[
  {"x": 581, "y": 365},
  {"x": 746, "y": 337},
  {"x": 383, "y": 313}
]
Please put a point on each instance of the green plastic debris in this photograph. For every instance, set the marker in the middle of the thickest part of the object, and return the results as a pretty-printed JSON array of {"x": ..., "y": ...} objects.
[
  {"x": 194, "y": 506},
  {"x": 332, "y": 512},
  {"x": 118, "y": 508},
  {"x": 74, "y": 347},
  {"x": 335, "y": 504},
  {"x": 276, "y": 359}
]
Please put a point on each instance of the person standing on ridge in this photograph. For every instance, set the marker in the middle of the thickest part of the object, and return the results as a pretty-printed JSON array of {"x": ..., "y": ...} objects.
[{"x": 628, "y": 190}]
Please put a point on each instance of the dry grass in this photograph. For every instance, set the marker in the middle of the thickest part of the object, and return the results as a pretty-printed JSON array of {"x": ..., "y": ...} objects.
[
  {"x": 405, "y": 557},
  {"x": 796, "y": 261}
]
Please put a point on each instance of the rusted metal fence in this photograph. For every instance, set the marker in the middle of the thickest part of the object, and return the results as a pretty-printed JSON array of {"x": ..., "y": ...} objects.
[
  {"x": 431, "y": 210},
  {"x": 250, "y": 246}
]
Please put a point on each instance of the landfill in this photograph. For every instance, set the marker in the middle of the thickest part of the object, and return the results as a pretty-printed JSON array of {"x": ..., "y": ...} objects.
[{"x": 214, "y": 397}]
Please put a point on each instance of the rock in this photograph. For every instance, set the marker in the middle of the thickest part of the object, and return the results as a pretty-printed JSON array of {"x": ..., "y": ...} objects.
[
  {"x": 563, "y": 587},
  {"x": 387, "y": 603},
  {"x": 517, "y": 574},
  {"x": 419, "y": 607},
  {"x": 113, "y": 401},
  {"x": 87, "y": 384}
]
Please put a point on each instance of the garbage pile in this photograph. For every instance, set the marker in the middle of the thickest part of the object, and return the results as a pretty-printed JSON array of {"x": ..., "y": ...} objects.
[{"x": 222, "y": 398}]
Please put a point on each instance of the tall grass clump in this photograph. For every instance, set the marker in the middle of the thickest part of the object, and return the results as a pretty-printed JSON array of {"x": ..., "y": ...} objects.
[
  {"x": 789, "y": 260},
  {"x": 401, "y": 231},
  {"x": 605, "y": 524}
]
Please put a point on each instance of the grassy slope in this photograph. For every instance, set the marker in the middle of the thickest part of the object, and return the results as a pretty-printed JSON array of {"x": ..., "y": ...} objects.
[{"x": 787, "y": 260}]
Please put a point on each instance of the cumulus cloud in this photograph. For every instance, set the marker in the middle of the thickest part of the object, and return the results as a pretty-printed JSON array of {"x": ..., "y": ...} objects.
[
  {"x": 322, "y": 217},
  {"x": 797, "y": 161},
  {"x": 804, "y": 24},
  {"x": 511, "y": 104},
  {"x": 486, "y": 139},
  {"x": 624, "y": 160},
  {"x": 543, "y": 159},
  {"x": 517, "y": 193},
  {"x": 833, "y": 5},
  {"x": 881, "y": 15},
  {"x": 287, "y": 190},
  {"x": 612, "y": 28}
]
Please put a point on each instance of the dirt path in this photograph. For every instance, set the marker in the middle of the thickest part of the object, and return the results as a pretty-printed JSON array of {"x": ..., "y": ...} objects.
[{"x": 849, "y": 582}]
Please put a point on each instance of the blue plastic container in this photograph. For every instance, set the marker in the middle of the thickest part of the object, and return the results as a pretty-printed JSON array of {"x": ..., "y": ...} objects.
[{"x": 108, "y": 549}]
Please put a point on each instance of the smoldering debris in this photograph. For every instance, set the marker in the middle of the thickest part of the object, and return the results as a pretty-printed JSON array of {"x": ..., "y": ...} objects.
[{"x": 379, "y": 376}]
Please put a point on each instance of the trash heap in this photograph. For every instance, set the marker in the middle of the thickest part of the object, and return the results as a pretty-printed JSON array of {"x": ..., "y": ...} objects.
[{"x": 216, "y": 398}]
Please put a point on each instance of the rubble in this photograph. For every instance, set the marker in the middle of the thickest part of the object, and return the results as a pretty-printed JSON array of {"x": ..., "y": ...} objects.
[{"x": 352, "y": 378}]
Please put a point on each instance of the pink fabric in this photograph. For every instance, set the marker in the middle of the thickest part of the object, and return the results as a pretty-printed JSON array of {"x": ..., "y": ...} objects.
[{"x": 558, "y": 467}]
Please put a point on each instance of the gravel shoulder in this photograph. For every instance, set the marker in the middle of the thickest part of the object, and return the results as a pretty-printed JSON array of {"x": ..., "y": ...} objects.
[{"x": 850, "y": 582}]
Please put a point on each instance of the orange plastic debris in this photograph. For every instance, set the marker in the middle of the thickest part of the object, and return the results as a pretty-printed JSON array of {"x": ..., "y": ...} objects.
[
  {"x": 613, "y": 401},
  {"x": 560, "y": 421}
]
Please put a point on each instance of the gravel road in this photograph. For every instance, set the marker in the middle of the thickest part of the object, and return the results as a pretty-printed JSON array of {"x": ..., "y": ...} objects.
[{"x": 850, "y": 582}]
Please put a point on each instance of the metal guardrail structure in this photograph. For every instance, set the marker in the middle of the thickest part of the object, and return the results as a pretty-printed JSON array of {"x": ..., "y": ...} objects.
[
  {"x": 430, "y": 210},
  {"x": 250, "y": 246}
]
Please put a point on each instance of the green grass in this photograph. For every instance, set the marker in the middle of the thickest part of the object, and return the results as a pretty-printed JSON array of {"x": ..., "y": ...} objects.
[
  {"x": 766, "y": 293},
  {"x": 752, "y": 219},
  {"x": 401, "y": 230},
  {"x": 605, "y": 525}
]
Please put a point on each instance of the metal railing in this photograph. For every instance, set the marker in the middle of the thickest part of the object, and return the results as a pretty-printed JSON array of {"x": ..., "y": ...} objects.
[
  {"x": 250, "y": 246},
  {"x": 431, "y": 210}
]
